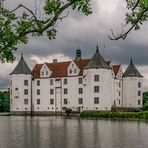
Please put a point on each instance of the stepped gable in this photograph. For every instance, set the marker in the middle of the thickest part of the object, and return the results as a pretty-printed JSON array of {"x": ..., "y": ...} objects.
[
  {"x": 97, "y": 61},
  {"x": 21, "y": 67},
  {"x": 131, "y": 71},
  {"x": 116, "y": 69}
]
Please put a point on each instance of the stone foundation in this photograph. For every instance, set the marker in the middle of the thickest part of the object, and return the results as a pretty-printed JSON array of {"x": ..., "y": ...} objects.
[{"x": 36, "y": 113}]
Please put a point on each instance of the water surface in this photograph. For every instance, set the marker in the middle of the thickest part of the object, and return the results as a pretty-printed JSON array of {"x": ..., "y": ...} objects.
[{"x": 62, "y": 132}]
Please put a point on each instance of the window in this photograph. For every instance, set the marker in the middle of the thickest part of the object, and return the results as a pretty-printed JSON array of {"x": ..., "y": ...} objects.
[
  {"x": 26, "y": 82},
  {"x": 25, "y": 91},
  {"x": 51, "y": 91},
  {"x": 65, "y": 91},
  {"x": 70, "y": 71},
  {"x": 51, "y": 81},
  {"x": 38, "y": 82},
  {"x": 80, "y": 80},
  {"x": 96, "y": 78},
  {"x": 42, "y": 73},
  {"x": 119, "y": 101},
  {"x": 38, "y": 92},
  {"x": 96, "y": 89},
  {"x": 46, "y": 72},
  {"x": 119, "y": 84},
  {"x": 51, "y": 101},
  {"x": 139, "y": 93},
  {"x": 25, "y": 101},
  {"x": 38, "y": 101},
  {"x": 139, "y": 102},
  {"x": 16, "y": 89},
  {"x": 75, "y": 71},
  {"x": 65, "y": 81},
  {"x": 96, "y": 100},
  {"x": 80, "y": 101},
  {"x": 119, "y": 93},
  {"x": 139, "y": 85},
  {"x": 65, "y": 101},
  {"x": 80, "y": 91}
]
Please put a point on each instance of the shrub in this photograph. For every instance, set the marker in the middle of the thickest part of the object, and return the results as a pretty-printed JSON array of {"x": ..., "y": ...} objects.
[
  {"x": 145, "y": 107},
  {"x": 141, "y": 115}
]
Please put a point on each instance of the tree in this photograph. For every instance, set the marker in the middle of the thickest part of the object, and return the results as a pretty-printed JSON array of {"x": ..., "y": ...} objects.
[
  {"x": 145, "y": 98},
  {"x": 15, "y": 29},
  {"x": 4, "y": 101},
  {"x": 137, "y": 14}
]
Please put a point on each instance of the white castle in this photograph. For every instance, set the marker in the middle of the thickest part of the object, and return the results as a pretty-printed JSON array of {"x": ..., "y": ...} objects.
[{"x": 80, "y": 84}]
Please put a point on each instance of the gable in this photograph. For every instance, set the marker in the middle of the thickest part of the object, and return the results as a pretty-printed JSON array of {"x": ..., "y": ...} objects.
[
  {"x": 45, "y": 71},
  {"x": 73, "y": 69}
]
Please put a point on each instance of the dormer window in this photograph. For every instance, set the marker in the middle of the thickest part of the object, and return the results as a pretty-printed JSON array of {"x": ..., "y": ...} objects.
[
  {"x": 70, "y": 71},
  {"x": 45, "y": 71},
  {"x": 75, "y": 71}
]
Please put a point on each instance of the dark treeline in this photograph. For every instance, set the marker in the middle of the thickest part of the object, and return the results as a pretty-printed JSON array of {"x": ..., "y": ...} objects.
[{"x": 4, "y": 101}]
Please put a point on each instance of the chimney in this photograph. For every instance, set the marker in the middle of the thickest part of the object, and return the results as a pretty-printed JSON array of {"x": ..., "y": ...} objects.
[{"x": 55, "y": 60}]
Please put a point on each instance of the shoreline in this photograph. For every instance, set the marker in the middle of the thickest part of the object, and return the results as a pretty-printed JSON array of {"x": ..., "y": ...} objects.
[{"x": 132, "y": 116}]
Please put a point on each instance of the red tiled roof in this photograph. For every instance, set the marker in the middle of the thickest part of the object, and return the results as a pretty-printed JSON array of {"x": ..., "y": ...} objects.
[
  {"x": 36, "y": 70},
  {"x": 81, "y": 64},
  {"x": 116, "y": 69},
  {"x": 59, "y": 69}
]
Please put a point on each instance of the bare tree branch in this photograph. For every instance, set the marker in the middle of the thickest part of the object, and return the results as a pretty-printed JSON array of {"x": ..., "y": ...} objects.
[
  {"x": 124, "y": 35},
  {"x": 136, "y": 4},
  {"x": 22, "y": 6},
  {"x": 61, "y": 18}
]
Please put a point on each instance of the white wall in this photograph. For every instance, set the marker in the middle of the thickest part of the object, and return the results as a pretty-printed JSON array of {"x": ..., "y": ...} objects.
[
  {"x": 17, "y": 95},
  {"x": 58, "y": 86},
  {"x": 130, "y": 91},
  {"x": 105, "y": 89}
]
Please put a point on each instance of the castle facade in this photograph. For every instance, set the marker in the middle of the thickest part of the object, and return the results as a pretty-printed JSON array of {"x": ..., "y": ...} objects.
[{"x": 80, "y": 84}]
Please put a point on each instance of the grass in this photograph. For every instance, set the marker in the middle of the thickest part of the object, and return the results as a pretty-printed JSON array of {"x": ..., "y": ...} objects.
[{"x": 137, "y": 115}]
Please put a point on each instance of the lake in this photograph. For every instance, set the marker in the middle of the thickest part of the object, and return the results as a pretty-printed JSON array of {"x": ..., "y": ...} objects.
[{"x": 63, "y": 132}]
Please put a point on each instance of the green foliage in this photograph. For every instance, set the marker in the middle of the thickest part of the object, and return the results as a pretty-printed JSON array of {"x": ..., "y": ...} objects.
[
  {"x": 138, "y": 12},
  {"x": 141, "y": 115},
  {"x": 145, "y": 107},
  {"x": 15, "y": 29},
  {"x": 145, "y": 98},
  {"x": 4, "y": 101}
]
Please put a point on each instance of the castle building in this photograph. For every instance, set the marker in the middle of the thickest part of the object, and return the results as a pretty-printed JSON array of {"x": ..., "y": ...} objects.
[{"x": 80, "y": 84}]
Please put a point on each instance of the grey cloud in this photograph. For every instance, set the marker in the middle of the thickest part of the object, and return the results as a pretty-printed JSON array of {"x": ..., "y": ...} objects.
[{"x": 87, "y": 31}]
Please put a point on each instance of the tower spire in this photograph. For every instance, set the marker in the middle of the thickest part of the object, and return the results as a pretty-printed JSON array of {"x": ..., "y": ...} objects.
[
  {"x": 21, "y": 55},
  {"x": 97, "y": 48},
  {"x": 78, "y": 54},
  {"x": 131, "y": 61}
]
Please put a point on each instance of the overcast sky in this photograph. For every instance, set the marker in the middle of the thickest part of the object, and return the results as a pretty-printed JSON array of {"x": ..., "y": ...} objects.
[{"x": 85, "y": 31}]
